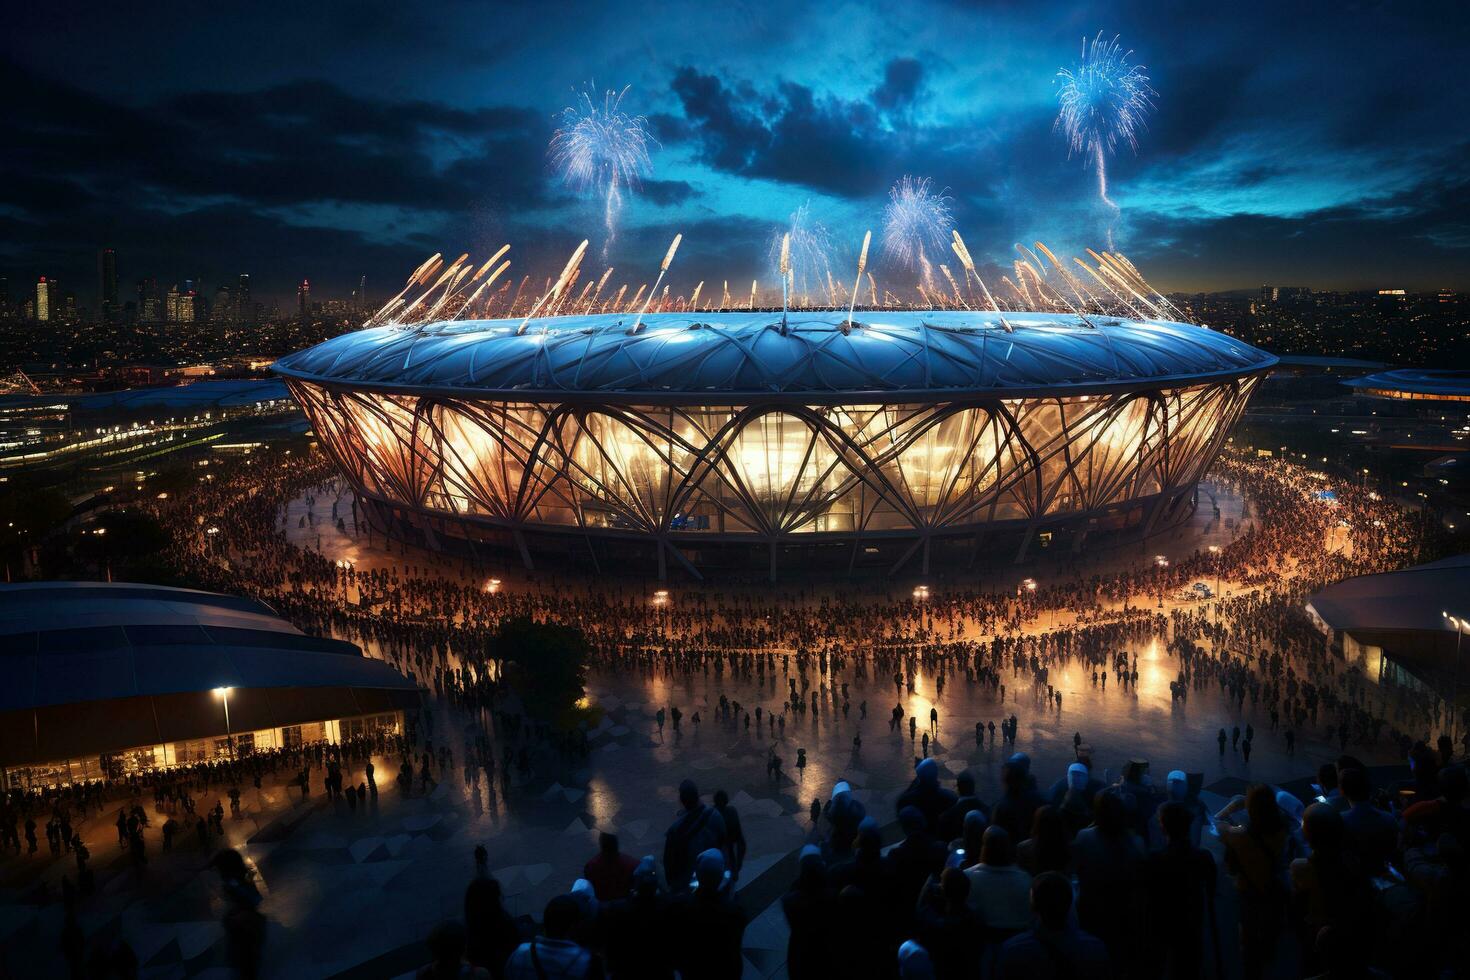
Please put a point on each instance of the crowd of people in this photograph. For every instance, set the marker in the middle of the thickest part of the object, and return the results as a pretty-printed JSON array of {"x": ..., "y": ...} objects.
[
  {"x": 810, "y": 653},
  {"x": 1079, "y": 880}
]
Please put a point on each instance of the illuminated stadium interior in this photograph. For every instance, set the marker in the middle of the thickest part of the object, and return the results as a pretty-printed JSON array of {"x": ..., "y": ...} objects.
[{"x": 695, "y": 430}]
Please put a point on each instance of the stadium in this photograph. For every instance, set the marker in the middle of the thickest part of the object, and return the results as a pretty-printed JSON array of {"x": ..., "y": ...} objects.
[{"x": 702, "y": 439}]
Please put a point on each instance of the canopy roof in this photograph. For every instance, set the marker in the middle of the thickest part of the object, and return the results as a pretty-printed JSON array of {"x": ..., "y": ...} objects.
[
  {"x": 70, "y": 643},
  {"x": 720, "y": 354},
  {"x": 1416, "y": 381},
  {"x": 1408, "y": 600}
]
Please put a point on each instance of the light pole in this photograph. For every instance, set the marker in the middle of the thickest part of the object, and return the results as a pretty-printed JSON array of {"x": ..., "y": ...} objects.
[
  {"x": 1458, "y": 623},
  {"x": 1162, "y": 563},
  {"x": 661, "y": 603},
  {"x": 921, "y": 596},
  {"x": 224, "y": 695}
]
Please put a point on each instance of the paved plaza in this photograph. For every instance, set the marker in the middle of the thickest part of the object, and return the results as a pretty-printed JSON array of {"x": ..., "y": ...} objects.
[{"x": 353, "y": 893}]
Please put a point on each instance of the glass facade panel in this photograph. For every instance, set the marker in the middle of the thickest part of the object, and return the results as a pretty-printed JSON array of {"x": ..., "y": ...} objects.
[{"x": 767, "y": 472}]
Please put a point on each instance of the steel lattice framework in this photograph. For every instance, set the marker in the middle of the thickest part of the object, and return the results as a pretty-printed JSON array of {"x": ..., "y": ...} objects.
[{"x": 1076, "y": 437}]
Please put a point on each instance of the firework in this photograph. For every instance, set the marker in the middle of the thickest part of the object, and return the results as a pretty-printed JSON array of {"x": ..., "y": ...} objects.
[
  {"x": 857, "y": 282},
  {"x": 802, "y": 253},
  {"x": 601, "y": 150},
  {"x": 1104, "y": 100},
  {"x": 663, "y": 269},
  {"x": 916, "y": 225}
]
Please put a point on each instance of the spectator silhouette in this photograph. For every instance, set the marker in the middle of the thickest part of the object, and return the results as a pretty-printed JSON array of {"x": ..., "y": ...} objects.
[
  {"x": 697, "y": 829},
  {"x": 554, "y": 955},
  {"x": 637, "y": 930},
  {"x": 1052, "y": 949},
  {"x": 926, "y": 795},
  {"x": 708, "y": 924},
  {"x": 809, "y": 908},
  {"x": 610, "y": 871},
  {"x": 490, "y": 932},
  {"x": 446, "y": 956}
]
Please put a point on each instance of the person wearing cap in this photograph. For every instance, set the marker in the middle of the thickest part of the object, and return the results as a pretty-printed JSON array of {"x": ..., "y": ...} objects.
[
  {"x": 1075, "y": 803},
  {"x": 1078, "y": 781},
  {"x": 1176, "y": 791},
  {"x": 698, "y": 828},
  {"x": 636, "y": 929},
  {"x": 926, "y": 795},
  {"x": 708, "y": 924},
  {"x": 844, "y": 813},
  {"x": 914, "y": 962}
]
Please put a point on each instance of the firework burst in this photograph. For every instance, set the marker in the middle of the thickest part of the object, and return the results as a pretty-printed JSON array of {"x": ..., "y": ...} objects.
[
  {"x": 916, "y": 225},
  {"x": 805, "y": 258},
  {"x": 1103, "y": 100},
  {"x": 601, "y": 150}
]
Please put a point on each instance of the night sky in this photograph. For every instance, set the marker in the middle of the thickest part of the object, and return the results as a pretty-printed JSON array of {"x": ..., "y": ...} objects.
[{"x": 1315, "y": 144}]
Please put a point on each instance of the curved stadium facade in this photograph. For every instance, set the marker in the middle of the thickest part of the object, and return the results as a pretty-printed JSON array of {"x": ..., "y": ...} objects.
[{"x": 699, "y": 436}]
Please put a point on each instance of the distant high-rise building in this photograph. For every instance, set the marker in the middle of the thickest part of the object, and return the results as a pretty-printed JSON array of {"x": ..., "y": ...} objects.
[
  {"x": 303, "y": 299},
  {"x": 180, "y": 306},
  {"x": 107, "y": 305},
  {"x": 244, "y": 308},
  {"x": 361, "y": 297},
  {"x": 45, "y": 292},
  {"x": 1282, "y": 294},
  {"x": 148, "y": 309},
  {"x": 224, "y": 310}
]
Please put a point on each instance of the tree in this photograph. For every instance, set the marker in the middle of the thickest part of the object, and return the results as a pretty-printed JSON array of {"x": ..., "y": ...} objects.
[
  {"x": 122, "y": 536},
  {"x": 546, "y": 665},
  {"x": 26, "y": 516}
]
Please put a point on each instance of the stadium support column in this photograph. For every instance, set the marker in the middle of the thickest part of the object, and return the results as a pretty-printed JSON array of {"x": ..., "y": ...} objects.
[
  {"x": 1155, "y": 512},
  {"x": 520, "y": 540}
]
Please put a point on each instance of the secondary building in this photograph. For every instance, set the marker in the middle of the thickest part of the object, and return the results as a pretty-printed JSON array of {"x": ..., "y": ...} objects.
[{"x": 108, "y": 679}]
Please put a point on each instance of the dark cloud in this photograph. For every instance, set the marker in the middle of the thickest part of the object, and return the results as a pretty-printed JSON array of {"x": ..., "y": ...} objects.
[
  {"x": 295, "y": 144},
  {"x": 902, "y": 79},
  {"x": 817, "y": 140},
  {"x": 666, "y": 193}
]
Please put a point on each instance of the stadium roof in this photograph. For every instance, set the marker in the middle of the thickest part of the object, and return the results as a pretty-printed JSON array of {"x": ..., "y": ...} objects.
[
  {"x": 721, "y": 354},
  {"x": 92, "y": 667},
  {"x": 1415, "y": 383}
]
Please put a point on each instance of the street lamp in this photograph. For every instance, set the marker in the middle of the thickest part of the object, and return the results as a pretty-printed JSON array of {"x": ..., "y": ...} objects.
[
  {"x": 1459, "y": 624},
  {"x": 921, "y": 596},
  {"x": 224, "y": 695},
  {"x": 1162, "y": 563}
]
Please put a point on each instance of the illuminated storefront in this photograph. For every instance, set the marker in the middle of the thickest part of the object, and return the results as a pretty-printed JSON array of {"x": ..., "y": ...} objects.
[{"x": 107, "y": 680}]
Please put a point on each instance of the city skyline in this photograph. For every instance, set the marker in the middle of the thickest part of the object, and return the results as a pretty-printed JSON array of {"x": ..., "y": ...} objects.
[{"x": 339, "y": 150}]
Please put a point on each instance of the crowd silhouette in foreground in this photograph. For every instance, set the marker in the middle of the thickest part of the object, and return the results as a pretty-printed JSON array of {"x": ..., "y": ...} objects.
[{"x": 1080, "y": 880}]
